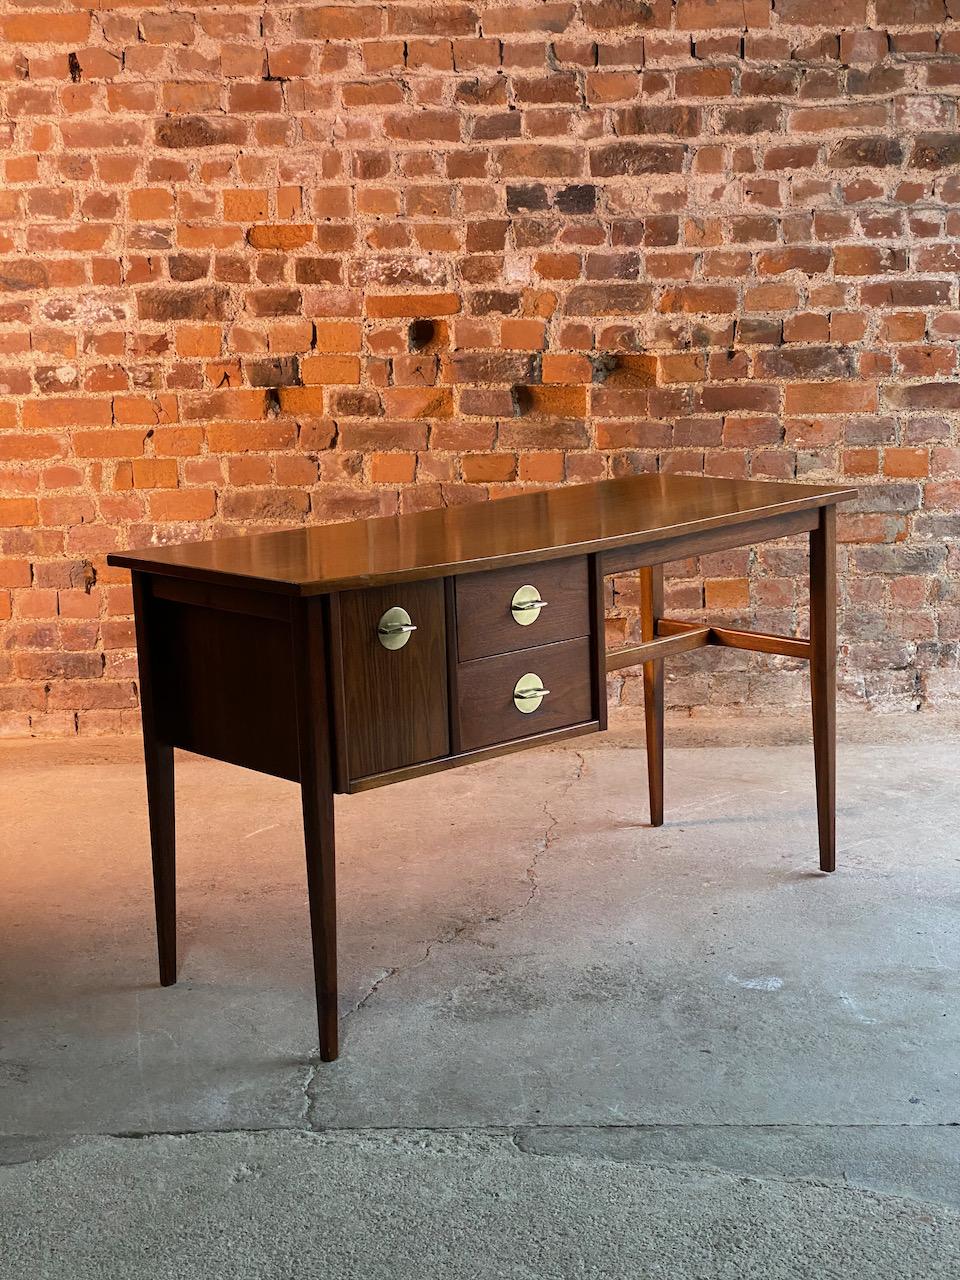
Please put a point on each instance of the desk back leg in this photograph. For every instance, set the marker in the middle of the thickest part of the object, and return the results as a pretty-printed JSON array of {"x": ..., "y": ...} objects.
[
  {"x": 823, "y": 677},
  {"x": 158, "y": 759},
  {"x": 651, "y": 608},
  {"x": 316, "y": 794}
]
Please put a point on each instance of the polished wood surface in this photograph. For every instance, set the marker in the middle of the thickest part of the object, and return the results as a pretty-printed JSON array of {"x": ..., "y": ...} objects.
[
  {"x": 158, "y": 762},
  {"x": 823, "y": 678},
  {"x": 498, "y": 749},
  {"x": 665, "y": 646},
  {"x": 547, "y": 525},
  {"x": 732, "y": 638},
  {"x": 307, "y": 658},
  {"x": 487, "y": 710},
  {"x": 598, "y": 639},
  {"x": 224, "y": 685},
  {"x": 703, "y": 542},
  {"x": 485, "y": 622},
  {"x": 395, "y": 700},
  {"x": 264, "y": 651},
  {"x": 651, "y": 608}
]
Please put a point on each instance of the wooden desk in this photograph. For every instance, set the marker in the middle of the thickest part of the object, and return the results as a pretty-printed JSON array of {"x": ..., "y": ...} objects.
[{"x": 354, "y": 655}]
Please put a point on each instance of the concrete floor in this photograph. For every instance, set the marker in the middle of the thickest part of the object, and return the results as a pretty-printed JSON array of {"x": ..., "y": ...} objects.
[{"x": 572, "y": 1045}]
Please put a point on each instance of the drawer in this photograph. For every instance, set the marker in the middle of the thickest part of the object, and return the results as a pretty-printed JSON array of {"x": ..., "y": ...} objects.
[
  {"x": 489, "y": 621},
  {"x": 486, "y": 687},
  {"x": 394, "y": 699}
]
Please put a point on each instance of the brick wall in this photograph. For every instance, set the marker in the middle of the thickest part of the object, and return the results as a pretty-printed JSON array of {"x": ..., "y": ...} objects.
[{"x": 269, "y": 264}]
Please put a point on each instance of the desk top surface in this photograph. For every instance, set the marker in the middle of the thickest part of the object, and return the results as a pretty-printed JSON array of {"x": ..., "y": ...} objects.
[{"x": 547, "y": 524}]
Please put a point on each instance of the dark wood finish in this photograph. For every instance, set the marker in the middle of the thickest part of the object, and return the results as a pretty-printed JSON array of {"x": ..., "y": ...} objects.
[
  {"x": 487, "y": 710},
  {"x": 551, "y": 524},
  {"x": 701, "y": 543},
  {"x": 224, "y": 686},
  {"x": 651, "y": 607},
  {"x": 208, "y": 595},
  {"x": 598, "y": 644},
  {"x": 486, "y": 625},
  {"x": 472, "y": 757},
  {"x": 656, "y": 650},
  {"x": 731, "y": 638},
  {"x": 158, "y": 760},
  {"x": 263, "y": 651},
  {"x": 316, "y": 795},
  {"x": 395, "y": 700},
  {"x": 453, "y": 685},
  {"x": 823, "y": 678},
  {"x": 338, "y": 697}
]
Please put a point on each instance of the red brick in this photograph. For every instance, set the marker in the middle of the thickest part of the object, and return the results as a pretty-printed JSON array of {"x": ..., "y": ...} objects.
[
  {"x": 46, "y": 28},
  {"x": 444, "y": 297}
]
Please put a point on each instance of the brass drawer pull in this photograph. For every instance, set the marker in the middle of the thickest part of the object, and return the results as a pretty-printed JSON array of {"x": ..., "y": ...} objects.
[
  {"x": 526, "y": 605},
  {"x": 529, "y": 692},
  {"x": 395, "y": 628}
]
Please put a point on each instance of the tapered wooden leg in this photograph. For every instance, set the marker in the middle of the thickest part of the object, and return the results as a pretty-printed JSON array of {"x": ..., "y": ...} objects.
[
  {"x": 823, "y": 678},
  {"x": 316, "y": 793},
  {"x": 160, "y": 806},
  {"x": 158, "y": 759},
  {"x": 651, "y": 608}
]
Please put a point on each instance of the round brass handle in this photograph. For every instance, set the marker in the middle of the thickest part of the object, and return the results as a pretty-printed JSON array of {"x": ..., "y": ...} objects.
[
  {"x": 526, "y": 605},
  {"x": 529, "y": 692},
  {"x": 395, "y": 628}
]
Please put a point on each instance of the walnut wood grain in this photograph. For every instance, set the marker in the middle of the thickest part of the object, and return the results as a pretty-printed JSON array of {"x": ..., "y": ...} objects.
[
  {"x": 733, "y": 638},
  {"x": 486, "y": 624},
  {"x": 823, "y": 679},
  {"x": 445, "y": 763},
  {"x": 158, "y": 761},
  {"x": 307, "y": 655},
  {"x": 395, "y": 701},
  {"x": 703, "y": 542},
  {"x": 655, "y": 650},
  {"x": 551, "y": 524},
  {"x": 488, "y": 714},
  {"x": 651, "y": 609},
  {"x": 223, "y": 685},
  {"x": 235, "y": 666}
]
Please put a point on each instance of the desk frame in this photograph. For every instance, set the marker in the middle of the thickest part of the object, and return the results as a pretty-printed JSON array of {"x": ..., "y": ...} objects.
[{"x": 311, "y": 622}]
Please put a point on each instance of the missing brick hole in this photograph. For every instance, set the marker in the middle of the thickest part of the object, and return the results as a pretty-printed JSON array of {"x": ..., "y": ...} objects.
[
  {"x": 603, "y": 365},
  {"x": 273, "y": 402},
  {"x": 522, "y": 398},
  {"x": 73, "y": 62},
  {"x": 420, "y": 333}
]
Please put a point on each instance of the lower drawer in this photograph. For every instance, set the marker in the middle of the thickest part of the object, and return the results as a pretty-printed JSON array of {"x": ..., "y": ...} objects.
[{"x": 490, "y": 710}]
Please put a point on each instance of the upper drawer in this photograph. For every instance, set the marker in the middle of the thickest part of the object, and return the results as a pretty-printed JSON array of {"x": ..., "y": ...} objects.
[{"x": 489, "y": 619}]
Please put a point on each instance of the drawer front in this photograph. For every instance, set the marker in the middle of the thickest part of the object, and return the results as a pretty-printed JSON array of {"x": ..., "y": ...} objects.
[
  {"x": 488, "y": 712},
  {"x": 488, "y": 624},
  {"x": 394, "y": 699}
]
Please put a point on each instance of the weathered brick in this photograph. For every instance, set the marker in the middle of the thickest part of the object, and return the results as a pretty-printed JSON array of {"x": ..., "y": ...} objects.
[
  {"x": 614, "y": 15},
  {"x": 206, "y": 303},
  {"x": 935, "y": 151},
  {"x": 191, "y": 132},
  {"x": 634, "y": 158},
  {"x": 714, "y": 236},
  {"x": 871, "y": 153}
]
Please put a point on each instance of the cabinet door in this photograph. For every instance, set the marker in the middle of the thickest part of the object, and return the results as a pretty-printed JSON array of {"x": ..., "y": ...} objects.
[{"x": 395, "y": 699}]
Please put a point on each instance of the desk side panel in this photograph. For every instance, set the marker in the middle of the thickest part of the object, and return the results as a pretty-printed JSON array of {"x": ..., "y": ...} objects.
[{"x": 225, "y": 686}]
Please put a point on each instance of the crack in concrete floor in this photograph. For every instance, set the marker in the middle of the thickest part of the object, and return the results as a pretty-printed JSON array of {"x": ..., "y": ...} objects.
[
  {"x": 467, "y": 927},
  {"x": 887, "y": 934}
]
